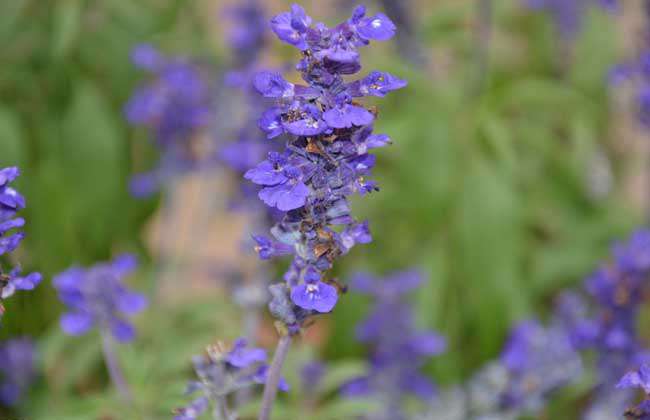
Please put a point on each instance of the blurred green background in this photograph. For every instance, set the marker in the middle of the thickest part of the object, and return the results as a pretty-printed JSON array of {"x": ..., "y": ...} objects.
[{"x": 489, "y": 186}]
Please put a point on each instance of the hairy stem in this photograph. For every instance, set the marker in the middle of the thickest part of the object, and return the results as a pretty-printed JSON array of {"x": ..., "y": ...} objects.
[
  {"x": 273, "y": 379},
  {"x": 114, "y": 369}
]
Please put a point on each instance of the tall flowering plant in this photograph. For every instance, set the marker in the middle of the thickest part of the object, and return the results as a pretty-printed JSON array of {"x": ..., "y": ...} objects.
[{"x": 326, "y": 159}]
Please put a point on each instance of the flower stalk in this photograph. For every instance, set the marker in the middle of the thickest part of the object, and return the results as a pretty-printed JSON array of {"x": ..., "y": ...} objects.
[
  {"x": 114, "y": 369},
  {"x": 273, "y": 378}
]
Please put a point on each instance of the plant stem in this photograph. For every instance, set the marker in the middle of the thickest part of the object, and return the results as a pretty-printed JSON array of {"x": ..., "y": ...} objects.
[
  {"x": 113, "y": 366},
  {"x": 221, "y": 411},
  {"x": 273, "y": 379}
]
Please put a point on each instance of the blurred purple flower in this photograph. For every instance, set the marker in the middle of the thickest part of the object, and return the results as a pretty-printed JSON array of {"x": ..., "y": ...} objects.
[
  {"x": 96, "y": 296},
  {"x": 397, "y": 348},
  {"x": 175, "y": 106},
  {"x": 17, "y": 369}
]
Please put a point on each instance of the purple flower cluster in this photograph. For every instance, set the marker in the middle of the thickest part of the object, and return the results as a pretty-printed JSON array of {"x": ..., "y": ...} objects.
[
  {"x": 568, "y": 15},
  {"x": 398, "y": 349},
  {"x": 176, "y": 107},
  {"x": 535, "y": 362},
  {"x": 538, "y": 361},
  {"x": 637, "y": 70},
  {"x": 97, "y": 296},
  {"x": 607, "y": 325},
  {"x": 222, "y": 372},
  {"x": 11, "y": 201},
  {"x": 326, "y": 158},
  {"x": 17, "y": 369}
]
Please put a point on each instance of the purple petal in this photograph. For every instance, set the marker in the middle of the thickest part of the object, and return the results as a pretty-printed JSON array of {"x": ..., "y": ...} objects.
[
  {"x": 8, "y": 174},
  {"x": 76, "y": 323},
  {"x": 285, "y": 196},
  {"x": 265, "y": 174},
  {"x": 271, "y": 122},
  {"x": 378, "y": 27},
  {"x": 122, "y": 331},
  {"x": 131, "y": 303},
  {"x": 272, "y": 85}
]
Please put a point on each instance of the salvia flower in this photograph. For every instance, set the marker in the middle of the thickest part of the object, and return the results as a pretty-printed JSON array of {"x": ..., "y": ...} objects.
[
  {"x": 17, "y": 369},
  {"x": 639, "y": 378},
  {"x": 175, "y": 106},
  {"x": 397, "y": 348},
  {"x": 11, "y": 201},
  {"x": 568, "y": 15},
  {"x": 222, "y": 372},
  {"x": 326, "y": 157},
  {"x": 97, "y": 296}
]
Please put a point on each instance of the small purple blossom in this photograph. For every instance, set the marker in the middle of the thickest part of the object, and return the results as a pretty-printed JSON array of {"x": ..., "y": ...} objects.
[
  {"x": 315, "y": 295},
  {"x": 17, "y": 369},
  {"x": 291, "y": 27},
  {"x": 97, "y": 296}
]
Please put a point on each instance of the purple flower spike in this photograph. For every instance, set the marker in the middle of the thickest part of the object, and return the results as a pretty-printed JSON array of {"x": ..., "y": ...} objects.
[
  {"x": 397, "y": 348},
  {"x": 175, "y": 106},
  {"x": 325, "y": 160},
  {"x": 97, "y": 296}
]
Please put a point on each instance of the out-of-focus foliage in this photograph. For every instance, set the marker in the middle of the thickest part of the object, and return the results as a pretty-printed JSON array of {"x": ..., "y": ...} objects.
[
  {"x": 486, "y": 187},
  {"x": 64, "y": 80}
]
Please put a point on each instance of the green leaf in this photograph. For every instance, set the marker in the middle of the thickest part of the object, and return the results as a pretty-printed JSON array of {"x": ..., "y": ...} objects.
[
  {"x": 12, "y": 139},
  {"x": 67, "y": 22}
]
